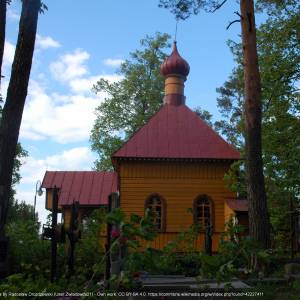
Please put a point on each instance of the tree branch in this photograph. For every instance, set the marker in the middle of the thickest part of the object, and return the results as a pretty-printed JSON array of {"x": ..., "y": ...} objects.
[
  {"x": 232, "y": 22},
  {"x": 238, "y": 14},
  {"x": 218, "y": 6}
]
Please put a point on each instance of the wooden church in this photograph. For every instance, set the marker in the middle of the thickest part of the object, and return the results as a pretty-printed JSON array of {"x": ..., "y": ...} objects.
[{"x": 174, "y": 165}]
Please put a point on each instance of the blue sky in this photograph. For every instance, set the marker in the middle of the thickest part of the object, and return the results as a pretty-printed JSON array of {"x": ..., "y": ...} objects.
[{"x": 80, "y": 41}]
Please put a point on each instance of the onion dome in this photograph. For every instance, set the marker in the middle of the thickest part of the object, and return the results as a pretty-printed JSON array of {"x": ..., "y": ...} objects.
[{"x": 175, "y": 64}]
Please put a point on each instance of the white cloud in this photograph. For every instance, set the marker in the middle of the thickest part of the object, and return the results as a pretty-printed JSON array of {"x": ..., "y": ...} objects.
[
  {"x": 4, "y": 86},
  {"x": 71, "y": 69},
  {"x": 45, "y": 42},
  {"x": 9, "y": 53},
  {"x": 12, "y": 15},
  {"x": 8, "y": 57},
  {"x": 62, "y": 118},
  {"x": 70, "y": 66},
  {"x": 113, "y": 62},
  {"x": 74, "y": 159},
  {"x": 83, "y": 85}
]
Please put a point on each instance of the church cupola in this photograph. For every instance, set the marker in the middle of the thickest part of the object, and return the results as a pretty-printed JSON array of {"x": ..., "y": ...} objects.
[{"x": 175, "y": 70}]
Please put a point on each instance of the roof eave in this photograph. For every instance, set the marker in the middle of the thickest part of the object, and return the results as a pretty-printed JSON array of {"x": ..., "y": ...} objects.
[{"x": 123, "y": 158}]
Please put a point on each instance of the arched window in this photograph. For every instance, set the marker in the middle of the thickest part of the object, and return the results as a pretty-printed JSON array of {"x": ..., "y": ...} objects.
[
  {"x": 156, "y": 205},
  {"x": 203, "y": 212}
]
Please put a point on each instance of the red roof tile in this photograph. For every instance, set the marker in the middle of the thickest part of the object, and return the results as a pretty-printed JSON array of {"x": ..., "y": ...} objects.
[
  {"x": 87, "y": 187},
  {"x": 237, "y": 205},
  {"x": 176, "y": 132}
]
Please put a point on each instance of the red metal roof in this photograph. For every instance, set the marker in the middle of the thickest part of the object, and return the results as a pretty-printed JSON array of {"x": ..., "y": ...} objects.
[
  {"x": 237, "y": 205},
  {"x": 176, "y": 132},
  {"x": 88, "y": 187}
]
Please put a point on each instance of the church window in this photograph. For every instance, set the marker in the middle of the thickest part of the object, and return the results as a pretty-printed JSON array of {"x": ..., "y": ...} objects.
[
  {"x": 155, "y": 205},
  {"x": 203, "y": 212}
]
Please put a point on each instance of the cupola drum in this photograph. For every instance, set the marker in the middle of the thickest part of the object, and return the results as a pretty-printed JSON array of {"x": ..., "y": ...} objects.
[{"x": 175, "y": 70}]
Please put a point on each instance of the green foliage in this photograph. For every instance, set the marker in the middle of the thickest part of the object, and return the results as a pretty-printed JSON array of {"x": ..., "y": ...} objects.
[
  {"x": 241, "y": 251},
  {"x": 24, "y": 240},
  {"x": 20, "y": 155},
  {"x": 159, "y": 262},
  {"x": 235, "y": 179},
  {"x": 280, "y": 60},
  {"x": 230, "y": 103},
  {"x": 43, "y": 7},
  {"x": 28, "y": 253},
  {"x": 132, "y": 230},
  {"x": 88, "y": 251},
  {"x": 20, "y": 211},
  {"x": 183, "y": 9},
  {"x": 128, "y": 233},
  {"x": 216, "y": 267},
  {"x": 185, "y": 241},
  {"x": 39, "y": 286},
  {"x": 177, "y": 257},
  {"x": 276, "y": 7},
  {"x": 131, "y": 101},
  {"x": 151, "y": 261},
  {"x": 30, "y": 257},
  {"x": 204, "y": 115},
  {"x": 22, "y": 283},
  {"x": 124, "y": 281},
  {"x": 181, "y": 257}
]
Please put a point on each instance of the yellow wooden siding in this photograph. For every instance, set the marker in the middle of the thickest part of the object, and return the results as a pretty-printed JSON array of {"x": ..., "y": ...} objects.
[
  {"x": 83, "y": 211},
  {"x": 179, "y": 184},
  {"x": 179, "y": 195},
  {"x": 49, "y": 200},
  {"x": 164, "y": 239},
  {"x": 212, "y": 170},
  {"x": 67, "y": 217}
]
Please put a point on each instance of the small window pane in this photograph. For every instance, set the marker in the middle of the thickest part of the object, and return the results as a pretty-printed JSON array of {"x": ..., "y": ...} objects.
[
  {"x": 203, "y": 212},
  {"x": 154, "y": 204}
]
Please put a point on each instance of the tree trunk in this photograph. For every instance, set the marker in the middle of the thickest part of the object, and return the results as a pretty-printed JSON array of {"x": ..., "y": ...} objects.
[
  {"x": 2, "y": 32},
  {"x": 15, "y": 101},
  {"x": 259, "y": 224}
]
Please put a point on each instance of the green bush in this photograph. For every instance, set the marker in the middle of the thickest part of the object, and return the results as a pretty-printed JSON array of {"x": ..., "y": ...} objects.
[
  {"x": 30, "y": 258},
  {"x": 88, "y": 251},
  {"x": 27, "y": 252}
]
